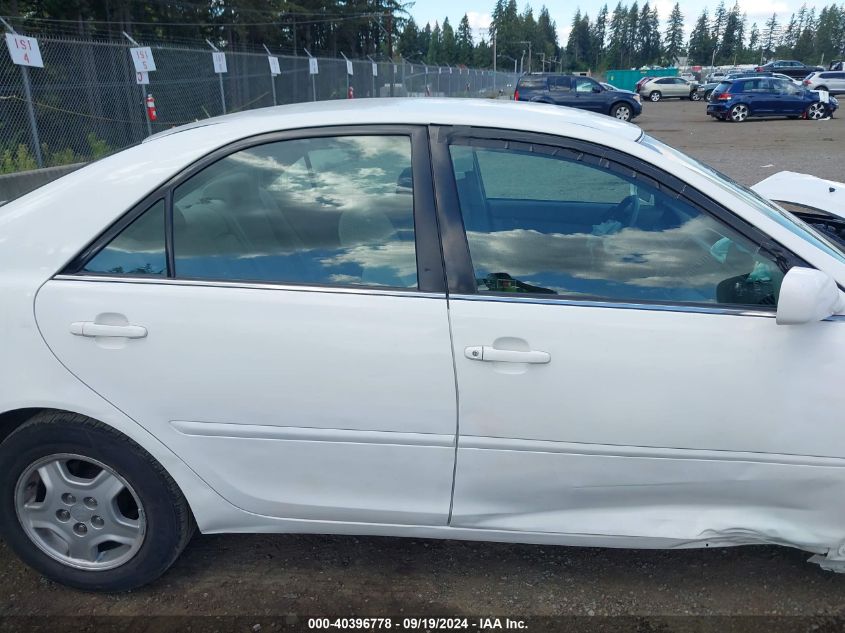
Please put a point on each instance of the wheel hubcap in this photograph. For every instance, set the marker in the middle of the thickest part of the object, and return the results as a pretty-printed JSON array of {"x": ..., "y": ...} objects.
[
  {"x": 80, "y": 512},
  {"x": 739, "y": 113},
  {"x": 816, "y": 111},
  {"x": 655, "y": 96},
  {"x": 623, "y": 113}
]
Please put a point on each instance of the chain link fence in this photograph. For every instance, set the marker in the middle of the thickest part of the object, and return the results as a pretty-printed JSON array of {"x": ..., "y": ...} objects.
[{"x": 86, "y": 101}]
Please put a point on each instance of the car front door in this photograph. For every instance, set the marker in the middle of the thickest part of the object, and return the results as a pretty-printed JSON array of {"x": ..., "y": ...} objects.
[
  {"x": 619, "y": 366},
  {"x": 277, "y": 317},
  {"x": 560, "y": 90},
  {"x": 591, "y": 96},
  {"x": 789, "y": 98}
]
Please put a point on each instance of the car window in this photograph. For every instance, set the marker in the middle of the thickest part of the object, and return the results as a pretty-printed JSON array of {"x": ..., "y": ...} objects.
[
  {"x": 532, "y": 83},
  {"x": 555, "y": 225},
  {"x": 329, "y": 210},
  {"x": 582, "y": 84},
  {"x": 560, "y": 84},
  {"x": 138, "y": 250}
]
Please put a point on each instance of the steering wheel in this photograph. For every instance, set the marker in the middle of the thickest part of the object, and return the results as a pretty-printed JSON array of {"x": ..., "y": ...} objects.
[{"x": 626, "y": 212}]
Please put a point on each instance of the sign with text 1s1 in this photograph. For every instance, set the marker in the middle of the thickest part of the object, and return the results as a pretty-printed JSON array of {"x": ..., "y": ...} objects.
[
  {"x": 24, "y": 50},
  {"x": 219, "y": 60},
  {"x": 142, "y": 57}
]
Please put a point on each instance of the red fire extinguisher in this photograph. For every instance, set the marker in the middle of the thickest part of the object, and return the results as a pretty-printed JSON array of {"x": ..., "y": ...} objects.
[
  {"x": 151, "y": 108},
  {"x": 350, "y": 94}
]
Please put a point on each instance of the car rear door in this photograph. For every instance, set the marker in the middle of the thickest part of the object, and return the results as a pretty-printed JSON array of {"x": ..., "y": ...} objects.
[
  {"x": 277, "y": 317},
  {"x": 627, "y": 377},
  {"x": 561, "y": 91}
]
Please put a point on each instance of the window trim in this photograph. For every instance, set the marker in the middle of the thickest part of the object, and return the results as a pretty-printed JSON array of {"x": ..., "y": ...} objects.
[
  {"x": 460, "y": 273},
  {"x": 430, "y": 268}
]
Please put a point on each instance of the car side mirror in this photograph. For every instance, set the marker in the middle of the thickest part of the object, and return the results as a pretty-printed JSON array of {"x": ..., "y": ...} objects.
[
  {"x": 597, "y": 89},
  {"x": 808, "y": 295}
]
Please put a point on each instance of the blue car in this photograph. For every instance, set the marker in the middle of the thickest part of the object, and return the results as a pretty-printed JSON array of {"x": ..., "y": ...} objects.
[{"x": 736, "y": 100}]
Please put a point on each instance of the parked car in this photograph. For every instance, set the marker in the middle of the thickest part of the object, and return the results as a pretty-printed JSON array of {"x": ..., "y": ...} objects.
[
  {"x": 261, "y": 322},
  {"x": 736, "y": 100},
  {"x": 669, "y": 87},
  {"x": 579, "y": 92},
  {"x": 641, "y": 81},
  {"x": 790, "y": 67},
  {"x": 830, "y": 81},
  {"x": 706, "y": 90}
]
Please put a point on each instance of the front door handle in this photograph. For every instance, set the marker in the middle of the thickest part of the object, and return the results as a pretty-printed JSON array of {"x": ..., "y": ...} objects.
[
  {"x": 491, "y": 354},
  {"x": 91, "y": 329}
]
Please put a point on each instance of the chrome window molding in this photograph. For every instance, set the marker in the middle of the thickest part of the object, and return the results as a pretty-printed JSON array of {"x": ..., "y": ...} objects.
[
  {"x": 248, "y": 285},
  {"x": 654, "y": 307}
]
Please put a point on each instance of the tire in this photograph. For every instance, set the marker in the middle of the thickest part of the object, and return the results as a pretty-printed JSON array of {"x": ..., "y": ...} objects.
[
  {"x": 738, "y": 113},
  {"x": 707, "y": 95},
  {"x": 694, "y": 96},
  {"x": 655, "y": 96},
  {"x": 815, "y": 111},
  {"x": 49, "y": 504},
  {"x": 621, "y": 111}
]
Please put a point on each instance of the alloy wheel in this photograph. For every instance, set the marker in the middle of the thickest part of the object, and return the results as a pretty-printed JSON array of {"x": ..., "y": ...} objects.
[
  {"x": 80, "y": 512},
  {"x": 816, "y": 111},
  {"x": 739, "y": 113},
  {"x": 623, "y": 113},
  {"x": 655, "y": 96}
]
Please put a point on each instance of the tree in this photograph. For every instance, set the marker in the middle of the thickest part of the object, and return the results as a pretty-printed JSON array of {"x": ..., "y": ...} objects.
[
  {"x": 464, "y": 42},
  {"x": 597, "y": 37},
  {"x": 673, "y": 44},
  {"x": 617, "y": 43},
  {"x": 449, "y": 45},
  {"x": 732, "y": 37},
  {"x": 770, "y": 36},
  {"x": 409, "y": 44},
  {"x": 648, "y": 36},
  {"x": 700, "y": 41},
  {"x": 578, "y": 44},
  {"x": 435, "y": 46}
]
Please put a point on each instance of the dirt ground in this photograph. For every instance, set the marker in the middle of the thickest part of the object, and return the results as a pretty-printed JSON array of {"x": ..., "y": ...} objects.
[
  {"x": 260, "y": 577},
  {"x": 753, "y": 150}
]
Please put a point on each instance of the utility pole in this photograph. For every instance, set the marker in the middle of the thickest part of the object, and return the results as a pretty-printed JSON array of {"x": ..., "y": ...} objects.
[{"x": 529, "y": 52}]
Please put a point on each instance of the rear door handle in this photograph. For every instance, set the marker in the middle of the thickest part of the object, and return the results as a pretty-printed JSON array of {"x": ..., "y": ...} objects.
[
  {"x": 91, "y": 329},
  {"x": 491, "y": 354}
]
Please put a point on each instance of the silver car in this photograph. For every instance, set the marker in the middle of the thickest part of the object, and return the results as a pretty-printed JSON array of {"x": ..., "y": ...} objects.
[
  {"x": 669, "y": 87},
  {"x": 832, "y": 81}
]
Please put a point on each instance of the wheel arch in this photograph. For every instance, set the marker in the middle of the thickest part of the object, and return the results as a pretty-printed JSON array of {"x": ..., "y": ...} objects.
[{"x": 209, "y": 509}]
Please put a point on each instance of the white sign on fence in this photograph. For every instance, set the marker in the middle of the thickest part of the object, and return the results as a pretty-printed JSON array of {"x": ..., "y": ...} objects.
[
  {"x": 375, "y": 69},
  {"x": 219, "y": 60},
  {"x": 312, "y": 66},
  {"x": 24, "y": 50},
  {"x": 142, "y": 57},
  {"x": 348, "y": 67},
  {"x": 274, "y": 66},
  {"x": 142, "y": 78}
]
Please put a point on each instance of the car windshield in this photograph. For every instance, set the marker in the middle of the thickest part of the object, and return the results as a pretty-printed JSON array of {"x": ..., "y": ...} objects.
[{"x": 769, "y": 208}]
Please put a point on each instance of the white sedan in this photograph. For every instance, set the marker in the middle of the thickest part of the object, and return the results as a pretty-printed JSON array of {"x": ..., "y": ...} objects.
[{"x": 428, "y": 318}]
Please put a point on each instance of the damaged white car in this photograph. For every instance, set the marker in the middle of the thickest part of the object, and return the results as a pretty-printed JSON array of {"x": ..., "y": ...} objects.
[{"x": 465, "y": 320}]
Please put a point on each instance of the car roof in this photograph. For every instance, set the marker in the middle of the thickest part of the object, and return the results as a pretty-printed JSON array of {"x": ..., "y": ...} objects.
[{"x": 514, "y": 115}]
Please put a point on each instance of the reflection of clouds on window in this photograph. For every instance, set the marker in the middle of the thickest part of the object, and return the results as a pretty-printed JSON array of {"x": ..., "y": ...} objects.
[{"x": 324, "y": 210}]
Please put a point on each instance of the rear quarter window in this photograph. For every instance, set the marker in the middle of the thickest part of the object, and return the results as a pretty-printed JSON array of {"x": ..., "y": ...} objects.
[
  {"x": 726, "y": 87},
  {"x": 532, "y": 83}
]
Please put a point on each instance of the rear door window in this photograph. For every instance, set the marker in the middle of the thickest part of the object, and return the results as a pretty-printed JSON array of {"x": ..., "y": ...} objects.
[
  {"x": 532, "y": 83},
  {"x": 560, "y": 84}
]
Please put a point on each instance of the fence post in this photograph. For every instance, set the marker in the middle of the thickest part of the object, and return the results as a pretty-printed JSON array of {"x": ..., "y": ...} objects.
[
  {"x": 219, "y": 76},
  {"x": 33, "y": 125},
  {"x": 272, "y": 77},
  {"x": 30, "y": 110},
  {"x": 313, "y": 81}
]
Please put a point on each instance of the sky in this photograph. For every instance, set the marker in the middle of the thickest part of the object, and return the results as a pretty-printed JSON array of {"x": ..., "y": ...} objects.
[{"x": 478, "y": 11}]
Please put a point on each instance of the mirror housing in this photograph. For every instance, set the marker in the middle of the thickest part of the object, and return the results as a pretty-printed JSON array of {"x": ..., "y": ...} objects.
[
  {"x": 597, "y": 89},
  {"x": 808, "y": 295}
]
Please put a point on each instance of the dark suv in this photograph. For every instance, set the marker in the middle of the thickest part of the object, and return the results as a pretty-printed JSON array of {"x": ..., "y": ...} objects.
[
  {"x": 578, "y": 92},
  {"x": 791, "y": 67}
]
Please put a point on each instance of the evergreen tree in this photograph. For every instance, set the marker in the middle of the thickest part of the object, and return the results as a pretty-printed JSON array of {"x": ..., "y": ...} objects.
[
  {"x": 435, "y": 46},
  {"x": 449, "y": 45},
  {"x": 616, "y": 44},
  {"x": 674, "y": 42},
  {"x": 409, "y": 45},
  {"x": 770, "y": 36},
  {"x": 597, "y": 37},
  {"x": 464, "y": 43},
  {"x": 700, "y": 41}
]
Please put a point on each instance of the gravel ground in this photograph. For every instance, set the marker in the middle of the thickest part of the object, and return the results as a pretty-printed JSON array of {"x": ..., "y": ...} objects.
[{"x": 268, "y": 576}]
